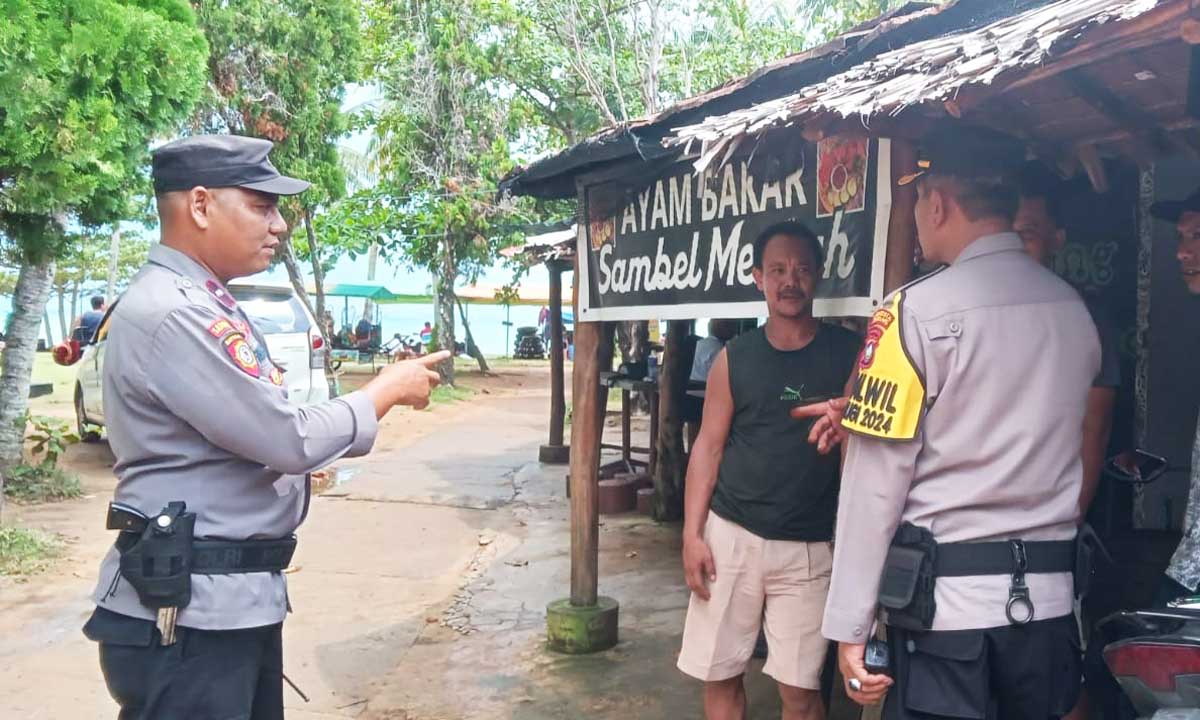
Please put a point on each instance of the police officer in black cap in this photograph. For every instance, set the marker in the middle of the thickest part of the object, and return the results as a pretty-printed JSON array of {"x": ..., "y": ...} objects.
[
  {"x": 960, "y": 489},
  {"x": 212, "y": 460}
]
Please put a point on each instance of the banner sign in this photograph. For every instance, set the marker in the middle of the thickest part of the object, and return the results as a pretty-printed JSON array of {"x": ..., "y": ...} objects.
[{"x": 679, "y": 244}]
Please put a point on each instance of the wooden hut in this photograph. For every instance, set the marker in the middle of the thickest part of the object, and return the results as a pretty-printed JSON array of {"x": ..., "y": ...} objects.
[{"x": 1105, "y": 91}]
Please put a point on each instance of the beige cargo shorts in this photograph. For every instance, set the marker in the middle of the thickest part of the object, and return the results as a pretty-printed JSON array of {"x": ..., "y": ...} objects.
[{"x": 780, "y": 585}]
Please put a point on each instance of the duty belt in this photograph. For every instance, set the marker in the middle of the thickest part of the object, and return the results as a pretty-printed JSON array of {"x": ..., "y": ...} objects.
[
  {"x": 210, "y": 557},
  {"x": 1015, "y": 558}
]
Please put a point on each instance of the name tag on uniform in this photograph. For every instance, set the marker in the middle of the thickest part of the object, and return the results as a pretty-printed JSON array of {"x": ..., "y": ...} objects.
[{"x": 889, "y": 394}]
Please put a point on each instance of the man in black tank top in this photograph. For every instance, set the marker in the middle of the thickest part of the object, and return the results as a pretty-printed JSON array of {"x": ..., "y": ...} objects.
[{"x": 760, "y": 500}]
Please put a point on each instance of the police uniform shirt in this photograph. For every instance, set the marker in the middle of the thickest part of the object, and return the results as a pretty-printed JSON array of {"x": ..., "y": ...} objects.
[
  {"x": 197, "y": 412},
  {"x": 1007, "y": 352}
]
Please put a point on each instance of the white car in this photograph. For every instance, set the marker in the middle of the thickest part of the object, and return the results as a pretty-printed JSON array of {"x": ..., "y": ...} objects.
[{"x": 293, "y": 339}]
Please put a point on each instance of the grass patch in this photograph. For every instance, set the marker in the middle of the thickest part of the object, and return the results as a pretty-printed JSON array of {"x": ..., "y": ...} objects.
[
  {"x": 450, "y": 393},
  {"x": 23, "y": 551},
  {"x": 41, "y": 483},
  {"x": 46, "y": 370}
]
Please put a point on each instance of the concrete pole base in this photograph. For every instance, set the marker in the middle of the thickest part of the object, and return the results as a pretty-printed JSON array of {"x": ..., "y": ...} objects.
[
  {"x": 579, "y": 630},
  {"x": 554, "y": 454}
]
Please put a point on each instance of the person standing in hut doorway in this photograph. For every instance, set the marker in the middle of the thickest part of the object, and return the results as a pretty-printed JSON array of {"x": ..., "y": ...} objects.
[
  {"x": 1039, "y": 223},
  {"x": 760, "y": 501},
  {"x": 1182, "y": 576}
]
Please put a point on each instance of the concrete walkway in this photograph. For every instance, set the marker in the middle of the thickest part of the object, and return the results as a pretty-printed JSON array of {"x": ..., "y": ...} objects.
[{"x": 422, "y": 580}]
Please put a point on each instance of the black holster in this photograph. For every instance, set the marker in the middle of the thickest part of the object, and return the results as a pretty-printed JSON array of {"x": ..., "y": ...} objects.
[
  {"x": 906, "y": 587},
  {"x": 1087, "y": 547},
  {"x": 158, "y": 561}
]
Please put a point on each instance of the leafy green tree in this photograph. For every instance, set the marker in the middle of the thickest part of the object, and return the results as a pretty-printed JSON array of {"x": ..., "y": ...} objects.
[
  {"x": 832, "y": 17},
  {"x": 83, "y": 268},
  {"x": 278, "y": 70},
  {"x": 86, "y": 85},
  {"x": 442, "y": 134}
]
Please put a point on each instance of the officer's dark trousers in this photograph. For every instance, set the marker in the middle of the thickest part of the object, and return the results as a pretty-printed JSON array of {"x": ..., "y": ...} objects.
[
  {"x": 1027, "y": 672},
  {"x": 205, "y": 675}
]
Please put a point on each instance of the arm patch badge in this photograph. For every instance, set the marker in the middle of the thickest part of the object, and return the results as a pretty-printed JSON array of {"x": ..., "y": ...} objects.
[
  {"x": 241, "y": 353},
  {"x": 276, "y": 376},
  {"x": 889, "y": 395},
  {"x": 220, "y": 327}
]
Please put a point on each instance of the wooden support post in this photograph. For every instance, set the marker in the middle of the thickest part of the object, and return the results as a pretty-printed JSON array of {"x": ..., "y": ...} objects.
[
  {"x": 902, "y": 226},
  {"x": 585, "y": 622},
  {"x": 670, "y": 466},
  {"x": 586, "y": 429},
  {"x": 554, "y": 451}
]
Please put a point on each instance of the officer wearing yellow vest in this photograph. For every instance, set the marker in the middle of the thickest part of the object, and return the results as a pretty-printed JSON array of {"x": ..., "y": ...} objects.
[{"x": 960, "y": 489}]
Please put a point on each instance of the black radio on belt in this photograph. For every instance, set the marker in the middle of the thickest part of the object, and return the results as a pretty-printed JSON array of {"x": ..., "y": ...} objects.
[{"x": 878, "y": 657}]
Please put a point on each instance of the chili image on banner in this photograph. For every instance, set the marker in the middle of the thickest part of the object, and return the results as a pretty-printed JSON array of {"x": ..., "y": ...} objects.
[{"x": 677, "y": 244}]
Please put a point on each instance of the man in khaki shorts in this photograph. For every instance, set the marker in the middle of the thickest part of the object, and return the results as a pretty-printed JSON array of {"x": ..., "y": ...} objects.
[{"x": 760, "y": 500}]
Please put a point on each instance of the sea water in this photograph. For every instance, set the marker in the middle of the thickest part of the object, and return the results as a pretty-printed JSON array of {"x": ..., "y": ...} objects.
[{"x": 487, "y": 321}]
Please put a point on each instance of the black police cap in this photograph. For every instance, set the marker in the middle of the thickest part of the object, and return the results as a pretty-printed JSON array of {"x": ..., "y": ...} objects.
[
  {"x": 968, "y": 152},
  {"x": 220, "y": 161},
  {"x": 1171, "y": 210}
]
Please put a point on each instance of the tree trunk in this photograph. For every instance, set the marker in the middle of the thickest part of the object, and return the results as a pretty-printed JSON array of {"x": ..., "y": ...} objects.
[
  {"x": 16, "y": 363},
  {"x": 61, "y": 291},
  {"x": 288, "y": 253},
  {"x": 114, "y": 255},
  {"x": 318, "y": 271},
  {"x": 472, "y": 349},
  {"x": 314, "y": 253},
  {"x": 372, "y": 261},
  {"x": 46, "y": 323},
  {"x": 75, "y": 301},
  {"x": 445, "y": 307}
]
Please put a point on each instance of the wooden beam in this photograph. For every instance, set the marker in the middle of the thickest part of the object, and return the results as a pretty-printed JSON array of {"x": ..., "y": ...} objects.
[
  {"x": 1089, "y": 158},
  {"x": 1121, "y": 135},
  {"x": 1189, "y": 31},
  {"x": 818, "y": 127},
  {"x": 1137, "y": 122},
  {"x": 1010, "y": 116}
]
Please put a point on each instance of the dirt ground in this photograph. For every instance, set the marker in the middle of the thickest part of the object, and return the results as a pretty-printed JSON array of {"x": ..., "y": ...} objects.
[{"x": 419, "y": 588}]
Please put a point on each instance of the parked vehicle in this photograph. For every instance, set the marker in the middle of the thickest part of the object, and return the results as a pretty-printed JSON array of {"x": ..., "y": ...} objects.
[
  {"x": 528, "y": 345},
  {"x": 1154, "y": 655},
  {"x": 293, "y": 339}
]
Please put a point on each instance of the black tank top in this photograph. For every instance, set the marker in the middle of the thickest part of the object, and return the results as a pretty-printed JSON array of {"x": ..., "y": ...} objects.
[{"x": 771, "y": 481}]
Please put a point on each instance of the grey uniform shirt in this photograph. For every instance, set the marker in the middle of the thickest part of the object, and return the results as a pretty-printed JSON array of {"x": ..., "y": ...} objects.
[
  {"x": 1008, "y": 353},
  {"x": 191, "y": 419}
]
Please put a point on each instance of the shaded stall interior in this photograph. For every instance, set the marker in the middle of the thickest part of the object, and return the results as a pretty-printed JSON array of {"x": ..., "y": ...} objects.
[{"x": 1104, "y": 92}]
